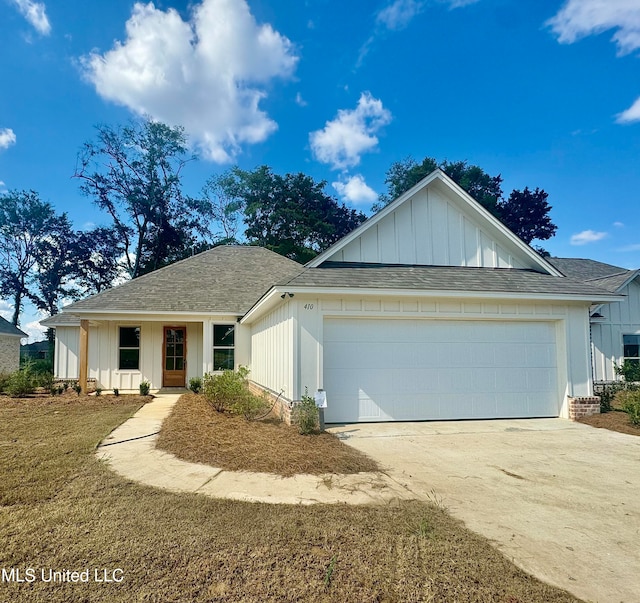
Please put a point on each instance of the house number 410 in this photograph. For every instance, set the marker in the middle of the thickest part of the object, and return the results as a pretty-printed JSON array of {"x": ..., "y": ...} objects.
[{"x": 308, "y": 306}]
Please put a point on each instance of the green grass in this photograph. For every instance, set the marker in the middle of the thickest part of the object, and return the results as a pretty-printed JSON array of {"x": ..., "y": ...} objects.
[{"x": 63, "y": 509}]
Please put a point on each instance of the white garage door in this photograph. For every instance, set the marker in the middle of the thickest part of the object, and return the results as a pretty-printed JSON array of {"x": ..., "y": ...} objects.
[{"x": 408, "y": 370}]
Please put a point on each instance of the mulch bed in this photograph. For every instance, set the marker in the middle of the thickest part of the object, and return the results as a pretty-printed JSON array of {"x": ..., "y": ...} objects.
[
  {"x": 615, "y": 420},
  {"x": 197, "y": 433}
]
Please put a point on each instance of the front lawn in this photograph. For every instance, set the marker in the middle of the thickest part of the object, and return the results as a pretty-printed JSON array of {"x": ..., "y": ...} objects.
[
  {"x": 62, "y": 509},
  {"x": 196, "y": 432}
]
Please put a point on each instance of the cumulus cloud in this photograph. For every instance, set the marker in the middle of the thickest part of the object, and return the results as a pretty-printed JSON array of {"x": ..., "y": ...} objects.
[
  {"x": 7, "y": 138},
  {"x": 353, "y": 132},
  {"x": 36, "y": 14},
  {"x": 355, "y": 190},
  {"x": 587, "y": 236},
  {"x": 580, "y": 18},
  {"x": 207, "y": 74},
  {"x": 632, "y": 114},
  {"x": 398, "y": 14}
]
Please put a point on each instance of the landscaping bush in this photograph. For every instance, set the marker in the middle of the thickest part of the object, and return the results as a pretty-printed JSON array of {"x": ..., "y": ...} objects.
[
  {"x": 630, "y": 371},
  {"x": 144, "y": 388},
  {"x": 249, "y": 405},
  {"x": 21, "y": 383},
  {"x": 4, "y": 379},
  {"x": 227, "y": 389},
  {"x": 629, "y": 401},
  {"x": 305, "y": 415},
  {"x": 607, "y": 394},
  {"x": 195, "y": 384}
]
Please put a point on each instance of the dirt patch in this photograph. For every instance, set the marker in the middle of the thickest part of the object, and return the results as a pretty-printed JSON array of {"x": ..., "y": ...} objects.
[
  {"x": 195, "y": 432},
  {"x": 615, "y": 420},
  {"x": 64, "y": 509}
]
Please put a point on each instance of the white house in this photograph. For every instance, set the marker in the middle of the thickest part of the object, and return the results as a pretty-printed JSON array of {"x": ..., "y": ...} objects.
[
  {"x": 431, "y": 309},
  {"x": 615, "y": 327}
]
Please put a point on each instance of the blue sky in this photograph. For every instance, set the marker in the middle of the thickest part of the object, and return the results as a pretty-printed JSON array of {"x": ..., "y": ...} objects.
[{"x": 545, "y": 93}]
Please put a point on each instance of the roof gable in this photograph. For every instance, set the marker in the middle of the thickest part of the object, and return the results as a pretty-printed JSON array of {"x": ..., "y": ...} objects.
[
  {"x": 6, "y": 328},
  {"x": 436, "y": 223},
  {"x": 607, "y": 276}
]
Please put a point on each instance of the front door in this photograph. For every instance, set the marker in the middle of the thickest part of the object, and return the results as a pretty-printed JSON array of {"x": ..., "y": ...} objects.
[{"x": 174, "y": 373}]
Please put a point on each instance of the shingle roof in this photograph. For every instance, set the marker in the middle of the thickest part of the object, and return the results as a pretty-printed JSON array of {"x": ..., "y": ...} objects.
[
  {"x": 6, "y": 328},
  {"x": 225, "y": 279},
  {"x": 606, "y": 276},
  {"x": 441, "y": 278}
]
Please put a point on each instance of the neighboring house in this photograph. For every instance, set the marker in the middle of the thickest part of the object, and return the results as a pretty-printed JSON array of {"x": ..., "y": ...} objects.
[
  {"x": 9, "y": 347},
  {"x": 615, "y": 327},
  {"x": 431, "y": 309},
  {"x": 38, "y": 350}
]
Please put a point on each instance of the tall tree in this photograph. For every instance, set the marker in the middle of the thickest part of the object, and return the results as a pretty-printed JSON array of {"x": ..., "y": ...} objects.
[
  {"x": 96, "y": 254},
  {"x": 289, "y": 214},
  {"x": 26, "y": 222},
  {"x": 526, "y": 213},
  {"x": 134, "y": 174},
  {"x": 221, "y": 202}
]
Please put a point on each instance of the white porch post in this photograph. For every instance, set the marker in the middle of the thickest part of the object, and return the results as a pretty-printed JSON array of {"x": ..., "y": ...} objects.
[{"x": 207, "y": 346}]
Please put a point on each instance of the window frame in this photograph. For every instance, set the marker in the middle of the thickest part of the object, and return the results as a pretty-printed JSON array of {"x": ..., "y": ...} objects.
[
  {"x": 128, "y": 347},
  {"x": 625, "y": 358},
  {"x": 215, "y": 347}
]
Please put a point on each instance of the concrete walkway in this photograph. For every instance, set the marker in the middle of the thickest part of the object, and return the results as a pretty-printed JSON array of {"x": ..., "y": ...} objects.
[{"x": 130, "y": 450}]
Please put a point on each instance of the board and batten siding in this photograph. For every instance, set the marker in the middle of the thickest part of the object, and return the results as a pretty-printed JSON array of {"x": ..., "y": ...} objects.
[
  {"x": 67, "y": 352},
  {"x": 620, "y": 318},
  {"x": 273, "y": 349},
  {"x": 300, "y": 323},
  {"x": 431, "y": 229}
]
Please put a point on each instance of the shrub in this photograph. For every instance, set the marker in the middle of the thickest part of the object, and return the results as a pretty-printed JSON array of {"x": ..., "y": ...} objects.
[
  {"x": 21, "y": 382},
  {"x": 629, "y": 401},
  {"x": 249, "y": 405},
  {"x": 630, "y": 371},
  {"x": 305, "y": 415},
  {"x": 98, "y": 391},
  {"x": 195, "y": 384},
  {"x": 4, "y": 379},
  {"x": 226, "y": 390},
  {"x": 608, "y": 394},
  {"x": 77, "y": 388},
  {"x": 145, "y": 386},
  {"x": 116, "y": 391}
]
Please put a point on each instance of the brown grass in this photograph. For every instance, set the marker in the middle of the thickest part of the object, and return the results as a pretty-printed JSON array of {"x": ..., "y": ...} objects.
[
  {"x": 196, "y": 432},
  {"x": 66, "y": 510},
  {"x": 615, "y": 420}
]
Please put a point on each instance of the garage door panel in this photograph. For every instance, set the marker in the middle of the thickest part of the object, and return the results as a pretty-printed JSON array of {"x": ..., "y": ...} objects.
[{"x": 384, "y": 369}]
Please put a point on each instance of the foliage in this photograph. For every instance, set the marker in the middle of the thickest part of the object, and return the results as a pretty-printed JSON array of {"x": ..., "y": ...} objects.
[
  {"x": 628, "y": 370},
  {"x": 525, "y": 212},
  {"x": 305, "y": 415},
  {"x": 145, "y": 386},
  {"x": 195, "y": 384},
  {"x": 607, "y": 393},
  {"x": 134, "y": 174},
  {"x": 96, "y": 257},
  {"x": 77, "y": 388},
  {"x": 220, "y": 203},
  {"x": 98, "y": 391},
  {"x": 28, "y": 227},
  {"x": 116, "y": 391},
  {"x": 21, "y": 383},
  {"x": 288, "y": 214},
  {"x": 225, "y": 390},
  {"x": 4, "y": 379},
  {"x": 629, "y": 401}
]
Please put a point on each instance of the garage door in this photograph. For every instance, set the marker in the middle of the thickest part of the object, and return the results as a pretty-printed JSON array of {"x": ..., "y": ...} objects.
[{"x": 408, "y": 370}]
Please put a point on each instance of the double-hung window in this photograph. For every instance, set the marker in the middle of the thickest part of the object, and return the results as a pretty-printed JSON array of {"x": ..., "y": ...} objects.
[
  {"x": 631, "y": 346},
  {"x": 223, "y": 347},
  {"x": 129, "y": 348}
]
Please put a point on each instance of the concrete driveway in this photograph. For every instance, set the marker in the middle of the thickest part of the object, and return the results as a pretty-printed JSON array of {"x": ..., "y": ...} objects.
[{"x": 560, "y": 499}]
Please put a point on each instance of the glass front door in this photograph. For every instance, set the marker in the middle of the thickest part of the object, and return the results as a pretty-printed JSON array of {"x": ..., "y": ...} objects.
[{"x": 174, "y": 372}]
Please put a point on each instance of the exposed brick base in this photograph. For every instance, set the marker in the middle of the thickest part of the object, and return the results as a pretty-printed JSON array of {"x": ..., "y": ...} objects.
[
  {"x": 282, "y": 406},
  {"x": 583, "y": 407}
]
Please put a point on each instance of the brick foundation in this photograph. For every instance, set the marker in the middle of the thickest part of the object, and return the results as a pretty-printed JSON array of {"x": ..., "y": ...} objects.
[
  {"x": 282, "y": 406},
  {"x": 583, "y": 407}
]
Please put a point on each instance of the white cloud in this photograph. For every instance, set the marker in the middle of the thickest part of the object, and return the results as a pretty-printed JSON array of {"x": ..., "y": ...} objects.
[
  {"x": 353, "y": 132},
  {"x": 36, "y": 14},
  {"x": 34, "y": 330},
  {"x": 207, "y": 74},
  {"x": 7, "y": 138},
  {"x": 631, "y": 115},
  {"x": 300, "y": 101},
  {"x": 355, "y": 190},
  {"x": 398, "y": 14},
  {"x": 618, "y": 224},
  {"x": 580, "y": 18},
  {"x": 587, "y": 236}
]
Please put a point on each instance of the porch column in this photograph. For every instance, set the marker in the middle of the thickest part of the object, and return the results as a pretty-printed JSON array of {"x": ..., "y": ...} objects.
[
  {"x": 84, "y": 355},
  {"x": 207, "y": 346}
]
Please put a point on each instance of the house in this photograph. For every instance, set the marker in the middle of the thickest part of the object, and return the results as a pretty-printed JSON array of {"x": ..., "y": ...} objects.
[
  {"x": 431, "y": 309},
  {"x": 9, "y": 347},
  {"x": 615, "y": 327},
  {"x": 38, "y": 350}
]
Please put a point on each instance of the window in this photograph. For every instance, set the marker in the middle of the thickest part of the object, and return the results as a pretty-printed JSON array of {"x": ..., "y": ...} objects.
[
  {"x": 223, "y": 344},
  {"x": 129, "y": 349},
  {"x": 631, "y": 345}
]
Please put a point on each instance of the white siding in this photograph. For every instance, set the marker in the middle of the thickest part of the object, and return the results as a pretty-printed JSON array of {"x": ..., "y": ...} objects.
[
  {"x": 620, "y": 318},
  {"x": 67, "y": 350},
  {"x": 570, "y": 322},
  {"x": 432, "y": 228},
  {"x": 273, "y": 347}
]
